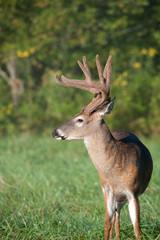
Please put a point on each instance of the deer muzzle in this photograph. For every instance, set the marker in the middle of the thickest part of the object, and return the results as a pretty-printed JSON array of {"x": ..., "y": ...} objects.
[{"x": 58, "y": 135}]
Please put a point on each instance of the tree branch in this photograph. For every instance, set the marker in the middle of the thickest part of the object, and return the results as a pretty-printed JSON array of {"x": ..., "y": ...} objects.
[
  {"x": 11, "y": 67},
  {"x": 4, "y": 75}
]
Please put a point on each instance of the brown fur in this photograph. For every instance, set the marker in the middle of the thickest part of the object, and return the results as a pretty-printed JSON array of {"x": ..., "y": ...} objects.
[{"x": 123, "y": 162}]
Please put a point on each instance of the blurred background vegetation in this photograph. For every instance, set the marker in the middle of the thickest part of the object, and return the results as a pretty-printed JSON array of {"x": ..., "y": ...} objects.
[{"x": 42, "y": 38}]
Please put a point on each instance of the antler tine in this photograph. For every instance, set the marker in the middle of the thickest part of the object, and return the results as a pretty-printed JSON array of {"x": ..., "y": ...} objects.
[
  {"x": 58, "y": 80},
  {"x": 99, "y": 68},
  {"x": 107, "y": 73},
  {"x": 85, "y": 69}
]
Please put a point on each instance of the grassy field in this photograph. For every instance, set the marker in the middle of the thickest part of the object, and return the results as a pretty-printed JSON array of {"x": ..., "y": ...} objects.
[{"x": 50, "y": 190}]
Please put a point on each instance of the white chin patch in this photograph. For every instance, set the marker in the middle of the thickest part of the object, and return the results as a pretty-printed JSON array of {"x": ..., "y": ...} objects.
[
  {"x": 58, "y": 138},
  {"x": 61, "y": 137}
]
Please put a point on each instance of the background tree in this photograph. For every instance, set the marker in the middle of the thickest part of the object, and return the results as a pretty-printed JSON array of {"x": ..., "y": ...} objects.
[{"x": 41, "y": 38}]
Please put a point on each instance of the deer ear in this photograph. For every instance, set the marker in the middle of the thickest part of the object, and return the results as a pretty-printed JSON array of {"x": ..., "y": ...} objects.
[{"x": 108, "y": 109}]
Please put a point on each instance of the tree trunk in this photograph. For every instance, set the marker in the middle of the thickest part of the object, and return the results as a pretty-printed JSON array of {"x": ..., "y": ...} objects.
[{"x": 15, "y": 83}]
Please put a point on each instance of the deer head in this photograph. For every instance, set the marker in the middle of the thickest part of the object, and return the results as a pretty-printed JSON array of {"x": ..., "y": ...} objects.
[{"x": 90, "y": 116}]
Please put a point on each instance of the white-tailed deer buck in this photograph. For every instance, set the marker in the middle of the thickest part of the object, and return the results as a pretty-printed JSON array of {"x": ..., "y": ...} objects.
[{"x": 123, "y": 162}]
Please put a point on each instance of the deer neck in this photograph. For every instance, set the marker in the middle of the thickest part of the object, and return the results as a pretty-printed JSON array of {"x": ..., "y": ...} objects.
[{"x": 100, "y": 145}]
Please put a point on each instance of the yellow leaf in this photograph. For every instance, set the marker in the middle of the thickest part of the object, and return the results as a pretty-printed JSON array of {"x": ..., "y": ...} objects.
[{"x": 137, "y": 65}]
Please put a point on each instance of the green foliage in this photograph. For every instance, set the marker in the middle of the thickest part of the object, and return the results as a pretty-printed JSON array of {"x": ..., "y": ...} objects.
[
  {"x": 138, "y": 95},
  {"x": 48, "y": 37},
  {"x": 45, "y": 195}
]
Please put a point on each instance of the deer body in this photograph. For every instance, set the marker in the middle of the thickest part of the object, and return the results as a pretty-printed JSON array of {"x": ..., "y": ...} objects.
[{"x": 123, "y": 162}]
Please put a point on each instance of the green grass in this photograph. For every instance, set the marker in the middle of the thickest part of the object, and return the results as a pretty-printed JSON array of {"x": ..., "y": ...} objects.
[{"x": 51, "y": 190}]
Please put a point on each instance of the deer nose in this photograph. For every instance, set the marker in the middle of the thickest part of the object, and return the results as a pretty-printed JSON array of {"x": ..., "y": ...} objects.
[{"x": 55, "y": 133}]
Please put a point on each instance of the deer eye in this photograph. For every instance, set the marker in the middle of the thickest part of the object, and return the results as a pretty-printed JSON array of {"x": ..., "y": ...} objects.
[{"x": 79, "y": 120}]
